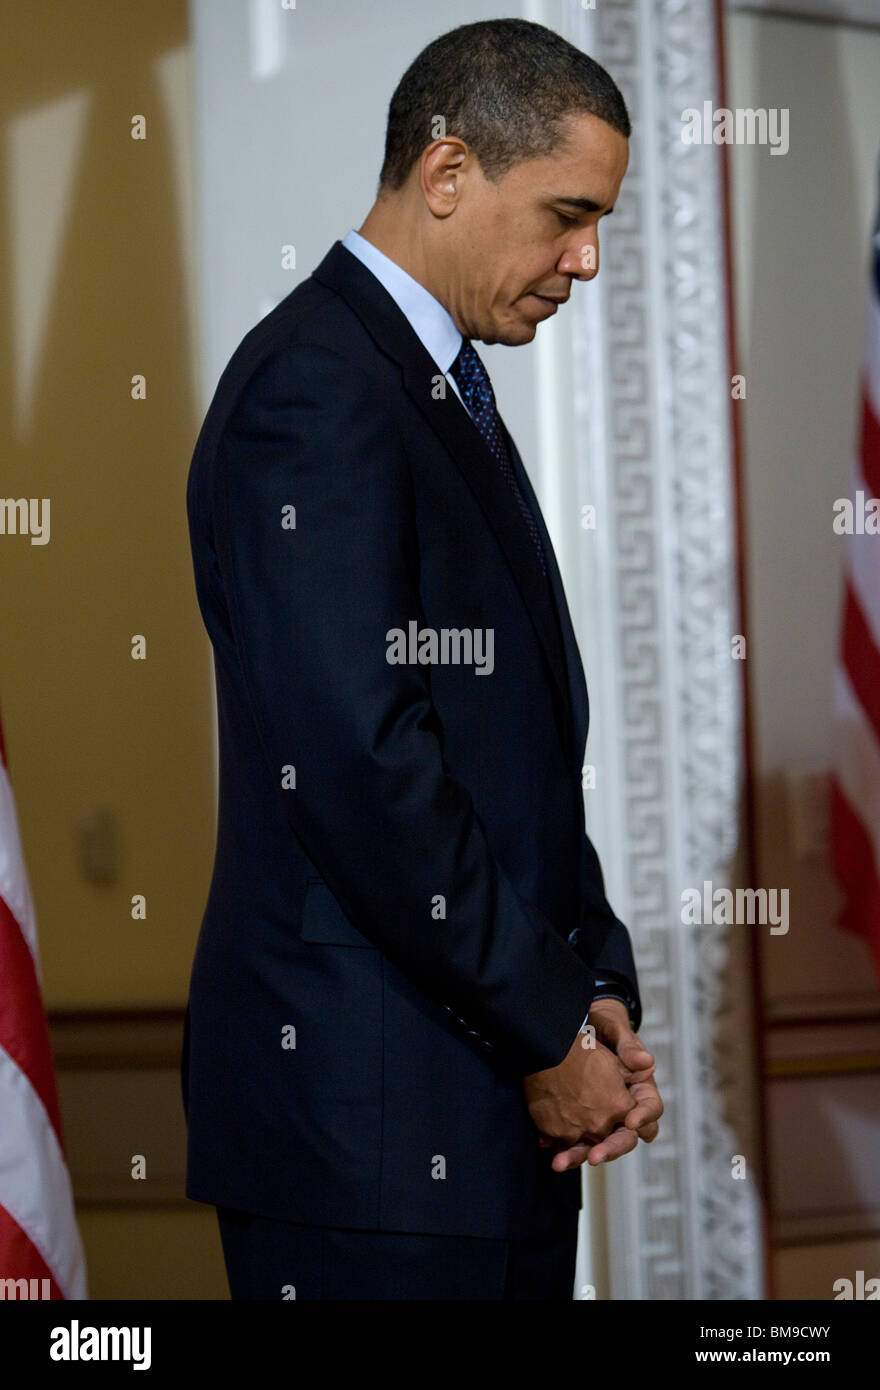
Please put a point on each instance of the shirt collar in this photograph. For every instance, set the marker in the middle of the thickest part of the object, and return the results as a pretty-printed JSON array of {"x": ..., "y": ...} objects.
[{"x": 428, "y": 319}]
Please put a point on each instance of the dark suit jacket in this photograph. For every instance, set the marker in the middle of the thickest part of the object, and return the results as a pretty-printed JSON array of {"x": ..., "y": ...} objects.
[{"x": 353, "y": 1054}]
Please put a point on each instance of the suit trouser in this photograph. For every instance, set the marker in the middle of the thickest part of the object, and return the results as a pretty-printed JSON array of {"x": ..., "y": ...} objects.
[{"x": 270, "y": 1259}]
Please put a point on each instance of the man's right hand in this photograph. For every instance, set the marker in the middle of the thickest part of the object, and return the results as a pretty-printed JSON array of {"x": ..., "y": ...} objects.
[{"x": 583, "y": 1099}]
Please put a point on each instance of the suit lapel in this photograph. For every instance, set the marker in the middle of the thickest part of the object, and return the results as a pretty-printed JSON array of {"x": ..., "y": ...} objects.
[
  {"x": 393, "y": 333},
  {"x": 577, "y": 685}
]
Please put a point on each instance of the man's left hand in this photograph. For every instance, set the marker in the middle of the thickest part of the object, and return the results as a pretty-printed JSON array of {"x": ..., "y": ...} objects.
[{"x": 610, "y": 1019}]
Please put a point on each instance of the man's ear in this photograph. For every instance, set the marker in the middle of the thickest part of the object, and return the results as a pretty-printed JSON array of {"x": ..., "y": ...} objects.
[{"x": 443, "y": 168}]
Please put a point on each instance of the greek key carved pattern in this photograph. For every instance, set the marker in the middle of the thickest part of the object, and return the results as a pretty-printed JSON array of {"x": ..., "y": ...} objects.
[{"x": 652, "y": 368}]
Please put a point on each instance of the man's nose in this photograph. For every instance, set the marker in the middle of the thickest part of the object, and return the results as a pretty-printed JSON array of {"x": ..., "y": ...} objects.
[{"x": 581, "y": 259}]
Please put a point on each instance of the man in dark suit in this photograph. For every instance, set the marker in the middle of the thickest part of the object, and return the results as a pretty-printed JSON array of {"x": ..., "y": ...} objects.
[{"x": 412, "y": 1013}]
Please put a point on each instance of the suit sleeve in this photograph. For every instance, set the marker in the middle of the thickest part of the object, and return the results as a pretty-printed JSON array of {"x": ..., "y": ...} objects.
[
  {"x": 602, "y": 940},
  {"x": 375, "y": 806}
]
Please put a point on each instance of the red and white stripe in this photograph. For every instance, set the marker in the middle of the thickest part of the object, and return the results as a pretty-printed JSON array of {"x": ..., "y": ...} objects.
[
  {"x": 39, "y": 1238},
  {"x": 855, "y": 781}
]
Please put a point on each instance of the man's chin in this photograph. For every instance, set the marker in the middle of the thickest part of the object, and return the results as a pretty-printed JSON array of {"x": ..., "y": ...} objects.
[
  {"x": 514, "y": 334},
  {"x": 513, "y": 330}
]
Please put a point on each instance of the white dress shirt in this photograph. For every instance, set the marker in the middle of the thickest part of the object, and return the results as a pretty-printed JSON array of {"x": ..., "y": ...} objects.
[{"x": 430, "y": 322}]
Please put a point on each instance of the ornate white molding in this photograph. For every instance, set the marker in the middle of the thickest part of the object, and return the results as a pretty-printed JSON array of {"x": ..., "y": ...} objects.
[{"x": 657, "y": 607}]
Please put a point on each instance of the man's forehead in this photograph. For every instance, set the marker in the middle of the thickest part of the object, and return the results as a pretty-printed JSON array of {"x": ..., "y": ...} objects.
[
  {"x": 586, "y": 144},
  {"x": 585, "y": 169},
  {"x": 586, "y": 137}
]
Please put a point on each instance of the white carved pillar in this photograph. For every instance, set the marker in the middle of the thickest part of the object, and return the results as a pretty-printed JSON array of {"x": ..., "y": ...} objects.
[{"x": 656, "y": 606}]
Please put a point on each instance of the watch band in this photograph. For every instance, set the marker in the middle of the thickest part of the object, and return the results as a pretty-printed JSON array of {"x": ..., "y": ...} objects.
[{"x": 625, "y": 999}]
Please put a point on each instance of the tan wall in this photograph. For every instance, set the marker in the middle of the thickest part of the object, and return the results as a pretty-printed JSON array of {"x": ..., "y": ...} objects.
[
  {"x": 154, "y": 1253},
  {"x": 97, "y": 265},
  {"x": 96, "y": 251},
  {"x": 801, "y": 227}
]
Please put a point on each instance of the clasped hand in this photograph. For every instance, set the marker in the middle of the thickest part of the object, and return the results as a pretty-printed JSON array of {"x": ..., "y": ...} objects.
[{"x": 601, "y": 1098}]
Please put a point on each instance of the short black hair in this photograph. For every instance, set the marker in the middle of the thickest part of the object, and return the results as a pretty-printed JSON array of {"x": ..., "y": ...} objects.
[{"x": 504, "y": 86}]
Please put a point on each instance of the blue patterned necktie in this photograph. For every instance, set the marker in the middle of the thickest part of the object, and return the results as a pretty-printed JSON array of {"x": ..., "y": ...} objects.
[{"x": 473, "y": 382}]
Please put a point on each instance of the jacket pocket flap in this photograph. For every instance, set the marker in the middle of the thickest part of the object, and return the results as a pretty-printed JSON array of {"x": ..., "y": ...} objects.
[{"x": 323, "y": 920}]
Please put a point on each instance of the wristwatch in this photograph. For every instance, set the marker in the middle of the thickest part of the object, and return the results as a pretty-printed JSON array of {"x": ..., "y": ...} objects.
[{"x": 616, "y": 989}]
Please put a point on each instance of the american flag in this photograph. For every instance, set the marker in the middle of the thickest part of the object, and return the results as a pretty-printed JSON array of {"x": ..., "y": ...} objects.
[
  {"x": 855, "y": 780},
  {"x": 41, "y": 1254}
]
